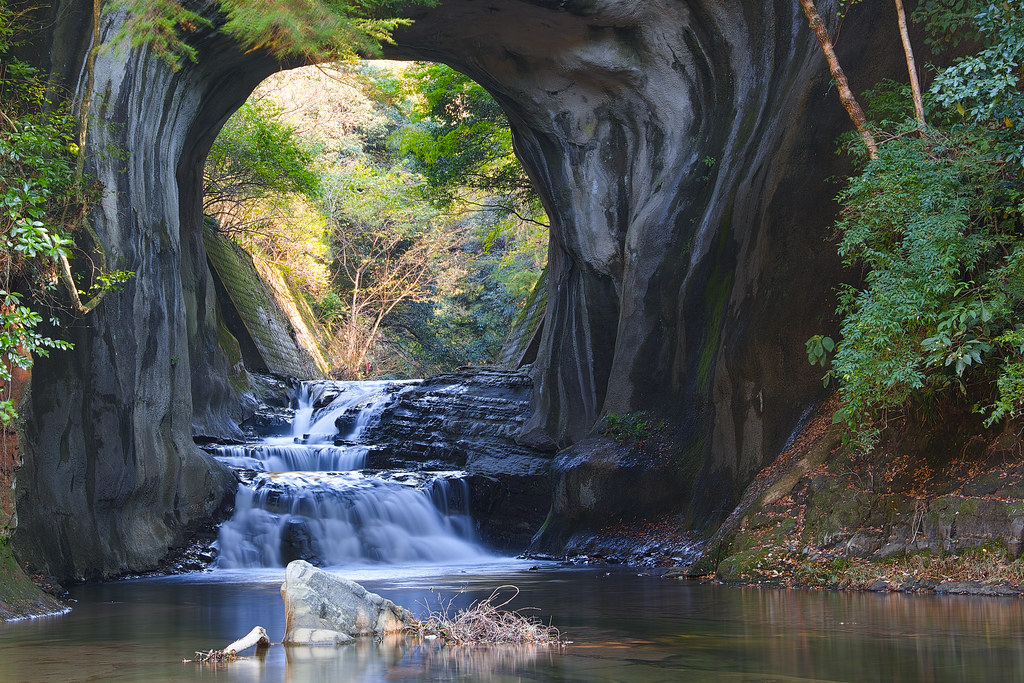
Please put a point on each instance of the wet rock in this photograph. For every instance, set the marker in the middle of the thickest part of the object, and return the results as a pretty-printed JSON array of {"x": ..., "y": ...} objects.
[
  {"x": 599, "y": 482},
  {"x": 470, "y": 420},
  {"x": 299, "y": 543},
  {"x": 269, "y": 421},
  {"x": 324, "y": 609},
  {"x": 975, "y": 588}
]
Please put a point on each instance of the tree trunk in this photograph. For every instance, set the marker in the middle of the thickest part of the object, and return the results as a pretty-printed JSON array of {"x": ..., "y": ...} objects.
[
  {"x": 846, "y": 95},
  {"x": 257, "y": 638},
  {"x": 908, "y": 50}
]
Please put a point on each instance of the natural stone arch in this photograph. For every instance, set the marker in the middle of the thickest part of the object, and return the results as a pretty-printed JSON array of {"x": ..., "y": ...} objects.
[{"x": 681, "y": 150}]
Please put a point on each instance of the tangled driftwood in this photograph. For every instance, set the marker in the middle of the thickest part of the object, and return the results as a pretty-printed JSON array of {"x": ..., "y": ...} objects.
[{"x": 257, "y": 638}]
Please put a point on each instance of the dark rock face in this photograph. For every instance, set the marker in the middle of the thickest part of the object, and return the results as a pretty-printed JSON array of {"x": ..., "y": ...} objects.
[
  {"x": 111, "y": 478},
  {"x": 681, "y": 150},
  {"x": 470, "y": 420}
]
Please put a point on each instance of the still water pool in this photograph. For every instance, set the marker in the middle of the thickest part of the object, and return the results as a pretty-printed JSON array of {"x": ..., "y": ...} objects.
[{"x": 624, "y": 627}]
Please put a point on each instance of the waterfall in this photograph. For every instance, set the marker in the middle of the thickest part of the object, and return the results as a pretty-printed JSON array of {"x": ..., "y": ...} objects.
[{"x": 307, "y": 495}]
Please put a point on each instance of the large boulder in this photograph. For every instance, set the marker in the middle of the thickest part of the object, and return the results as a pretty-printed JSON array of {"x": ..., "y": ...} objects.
[{"x": 324, "y": 609}]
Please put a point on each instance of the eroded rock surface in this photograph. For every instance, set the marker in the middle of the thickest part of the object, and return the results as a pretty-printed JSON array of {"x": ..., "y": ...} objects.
[
  {"x": 470, "y": 420},
  {"x": 324, "y": 609},
  {"x": 683, "y": 151},
  {"x": 681, "y": 148}
]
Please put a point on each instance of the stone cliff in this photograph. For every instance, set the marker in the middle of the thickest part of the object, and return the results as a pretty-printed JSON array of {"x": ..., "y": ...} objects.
[{"x": 682, "y": 150}]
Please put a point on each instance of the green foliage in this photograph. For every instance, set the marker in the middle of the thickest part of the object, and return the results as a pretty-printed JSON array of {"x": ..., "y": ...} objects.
[
  {"x": 818, "y": 348},
  {"x": 466, "y": 319},
  {"x": 19, "y": 342},
  {"x": 636, "y": 426},
  {"x": 160, "y": 25},
  {"x": 36, "y": 193},
  {"x": 459, "y": 139},
  {"x": 948, "y": 23},
  {"x": 985, "y": 88},
  {"x": 317, "y": 30},
  {"x": 255, "y": 156},
  {"x": 935, "y": 221},
  {"x": 413, "y": 283}
]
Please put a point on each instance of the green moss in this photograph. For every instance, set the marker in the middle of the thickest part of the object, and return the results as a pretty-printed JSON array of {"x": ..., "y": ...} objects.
[
  {"x": 746, "y": 565},
  {"x": 18, "y": 595},
  {"x": 264, "y": 320},
  {"x": 228, "y": 344},
  {"x": 970, "y": 506},
  {"x": 628, "y": 427},
  {"x": 548, "y": 521},
  {"x": 833, "y": 509},
  {"x": 535, "y": 305},
  {"x": 828, "y": 572},
  {"x": 716, "y": 297}
]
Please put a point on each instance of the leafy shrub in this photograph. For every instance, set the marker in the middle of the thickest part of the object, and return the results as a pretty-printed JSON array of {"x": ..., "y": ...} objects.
[
  {"x": 935, "y": 222},
  {"x": 636, "y": 426},
  {"x": 36, "y": 194}
]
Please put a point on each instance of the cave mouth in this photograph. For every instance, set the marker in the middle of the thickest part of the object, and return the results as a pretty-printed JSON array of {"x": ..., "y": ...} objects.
[
  {"x": 676, "y": 286},
  {"x": 388, "y": 198}
]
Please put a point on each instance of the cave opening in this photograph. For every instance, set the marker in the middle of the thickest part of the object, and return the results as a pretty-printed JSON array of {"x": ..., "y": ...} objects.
[
  {"x": 677, "y": 286},
  {"x": 384, "y": 206}
]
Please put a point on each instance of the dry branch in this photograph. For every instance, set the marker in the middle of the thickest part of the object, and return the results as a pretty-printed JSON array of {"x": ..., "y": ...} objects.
[
  {"x": 257, "y": 638},
  {"x": 485, "y": 623}
]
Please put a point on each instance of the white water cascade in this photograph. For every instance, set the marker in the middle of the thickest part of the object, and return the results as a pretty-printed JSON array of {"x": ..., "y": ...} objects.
[{"x": 308, "y": 496}]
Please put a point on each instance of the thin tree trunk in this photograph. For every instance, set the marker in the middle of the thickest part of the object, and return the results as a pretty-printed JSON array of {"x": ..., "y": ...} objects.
[
  {"x": 83, "y": 129},
  {"x": 846, "y": 95},
  {"x": 908, "y": 49}
]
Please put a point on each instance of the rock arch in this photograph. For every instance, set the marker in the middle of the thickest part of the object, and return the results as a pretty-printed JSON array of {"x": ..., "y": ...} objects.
[{"x": 682, "y": 150}]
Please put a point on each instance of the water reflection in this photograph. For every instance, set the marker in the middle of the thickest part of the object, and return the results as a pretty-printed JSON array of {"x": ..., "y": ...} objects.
[{"x": 624, "y": 627}]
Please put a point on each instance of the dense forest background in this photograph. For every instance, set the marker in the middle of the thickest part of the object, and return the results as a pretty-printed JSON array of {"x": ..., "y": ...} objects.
[{"x": 388, "y": 193}]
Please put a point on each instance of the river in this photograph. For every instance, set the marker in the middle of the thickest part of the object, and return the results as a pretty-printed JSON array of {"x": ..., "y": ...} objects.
[
  {"x": 407, "y": 534},
  {"x": 624, "y": 626}
]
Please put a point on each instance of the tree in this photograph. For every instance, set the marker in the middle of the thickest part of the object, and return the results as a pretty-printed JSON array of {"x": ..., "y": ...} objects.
[
  {"x": 846, "y": 96},
  {"x": 387, "y": 250},
  {"x": 256, "y": 160},
  {"x": 936, "y": 221},
  {"x": 460, "y": 141}
]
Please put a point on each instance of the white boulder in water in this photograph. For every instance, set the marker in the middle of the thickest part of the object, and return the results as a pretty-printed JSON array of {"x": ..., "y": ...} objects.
[{"x": 324, "y": 609}]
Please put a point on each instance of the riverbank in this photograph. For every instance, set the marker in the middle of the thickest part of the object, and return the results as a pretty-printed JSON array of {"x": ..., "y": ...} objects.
[{"x": 933, "y": 509}]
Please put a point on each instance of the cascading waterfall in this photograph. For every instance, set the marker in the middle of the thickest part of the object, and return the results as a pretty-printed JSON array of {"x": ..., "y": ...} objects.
[{"x": 307, "y": 496}]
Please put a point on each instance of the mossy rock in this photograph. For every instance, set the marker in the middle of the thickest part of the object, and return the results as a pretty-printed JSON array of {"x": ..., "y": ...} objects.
[{"x": 19, "y": 597}]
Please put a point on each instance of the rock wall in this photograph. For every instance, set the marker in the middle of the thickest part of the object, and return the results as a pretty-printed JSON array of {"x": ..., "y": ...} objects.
[
  {"x": 469, "y": 420},
  {"x": 261, "y": 312},
  {"x": 111, "y": 478},
  {"x": 682, "y": 150}
]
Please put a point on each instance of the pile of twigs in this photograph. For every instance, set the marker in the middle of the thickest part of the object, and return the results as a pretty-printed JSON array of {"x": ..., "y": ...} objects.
[
  {"x": 213, "y": 657},
  {"x": 485, "y": 623}
]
